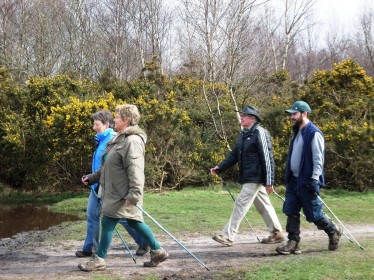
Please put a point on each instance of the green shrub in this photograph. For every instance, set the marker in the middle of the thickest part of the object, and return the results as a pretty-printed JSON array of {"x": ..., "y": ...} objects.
[
  {"x": 341, "y": 100},
  {"x": 46, "y": 136}
]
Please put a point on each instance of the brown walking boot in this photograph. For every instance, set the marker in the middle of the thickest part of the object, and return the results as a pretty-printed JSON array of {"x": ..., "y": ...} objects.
[
  {"x": 157, "y": 256},
  {"x": 276, "y": 237},
  {"x": 334, "y": 239},
  {"x": 96, "y": 263},
  {"x": 223, "y": 240},
  {"x": 292, "y": 247},
  {"x": 142, "y": 250}
]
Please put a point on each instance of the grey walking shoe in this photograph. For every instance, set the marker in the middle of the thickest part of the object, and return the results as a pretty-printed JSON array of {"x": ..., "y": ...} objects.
[
  {"x": 276, "y": 237},
  {"x": 292, "y": 247},
  {"x": 96, "y": 263},
  {"x": 223, "y": 240},
  {"x": 142, "y": 250},
  {"x": 334, "y": 239},
  {"x": 157, "y": 256}
]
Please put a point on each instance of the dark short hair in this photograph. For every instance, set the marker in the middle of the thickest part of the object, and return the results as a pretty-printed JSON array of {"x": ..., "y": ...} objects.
[{"x": 105, "y": 116}]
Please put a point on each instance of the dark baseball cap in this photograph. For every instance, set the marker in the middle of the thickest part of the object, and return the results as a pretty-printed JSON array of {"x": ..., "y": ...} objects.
[{"x": 299, "y": 106}]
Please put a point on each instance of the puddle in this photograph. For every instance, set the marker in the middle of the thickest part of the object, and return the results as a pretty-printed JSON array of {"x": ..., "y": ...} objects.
[{"x": 20, "y": 218}]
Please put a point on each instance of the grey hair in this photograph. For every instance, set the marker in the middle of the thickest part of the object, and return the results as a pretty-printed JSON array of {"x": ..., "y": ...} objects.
[
  {"x": 129, "y": 111},
  {"x": 105, "y": 116}
]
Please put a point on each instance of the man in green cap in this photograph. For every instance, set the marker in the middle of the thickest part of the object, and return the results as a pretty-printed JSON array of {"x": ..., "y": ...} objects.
[
  {"x": 304, "y": 177},
  {"x": 254, "y": 154}
]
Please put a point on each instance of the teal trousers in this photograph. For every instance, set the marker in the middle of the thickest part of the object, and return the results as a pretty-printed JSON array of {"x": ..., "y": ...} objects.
[{"x": 107, "y": 228}]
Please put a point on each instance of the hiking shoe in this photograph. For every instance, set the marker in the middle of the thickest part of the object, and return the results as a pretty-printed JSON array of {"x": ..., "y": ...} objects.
[
  {"x": 142, "y": 250},
  {"x": 223, "y": 240},
  {"x": 334, "y": 239},
  {"x": 96, "y": 263},
  {"x": 157, "y": 256},
  {"x": 83, "y": 254},
  {"x": 292, "y": 247},
  {"x": 276, "y": 237}
]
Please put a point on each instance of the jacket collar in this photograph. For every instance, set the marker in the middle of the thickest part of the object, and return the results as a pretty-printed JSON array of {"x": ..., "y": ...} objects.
[
  {"x": 131, "y": 130},
  {"x": 249, "y": 131},
  {"x": 103, "y": 135},
  {"x": 303, "y": 130}
]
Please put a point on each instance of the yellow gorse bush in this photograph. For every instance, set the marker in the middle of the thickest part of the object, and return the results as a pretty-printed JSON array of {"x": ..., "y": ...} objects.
[{"x": 47, "y": 136}]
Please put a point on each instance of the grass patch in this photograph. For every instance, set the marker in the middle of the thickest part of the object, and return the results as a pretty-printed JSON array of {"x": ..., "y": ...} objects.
[
  {"x": 207, "y": 211},
  {"x": 348, "y": 262},
  {"x": 75, "y": 206},
  {"x": 194, "y": 212},
  {"x": 13, "y": 196}
]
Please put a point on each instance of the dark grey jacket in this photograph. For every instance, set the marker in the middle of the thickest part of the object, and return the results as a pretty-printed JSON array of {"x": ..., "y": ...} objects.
[{"x": 254, "y": 154}]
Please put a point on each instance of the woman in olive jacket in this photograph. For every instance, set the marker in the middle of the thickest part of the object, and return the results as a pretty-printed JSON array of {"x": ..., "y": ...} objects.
[{"x": 122, "y": 180}]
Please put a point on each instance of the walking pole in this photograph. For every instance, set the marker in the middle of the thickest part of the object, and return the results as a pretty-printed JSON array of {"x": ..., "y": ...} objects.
[
  {"x": 233, "y": 198},
  {"x": 277, "y": 195},
  {"x": 124, "y": 243},
  {"x": 340, "y": 223},
  {"x": 168, "y": 233},
  {"x": 119, "y": 234}
]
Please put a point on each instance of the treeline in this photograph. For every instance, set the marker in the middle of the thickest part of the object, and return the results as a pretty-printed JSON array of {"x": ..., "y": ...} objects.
[
  {"x": 230, "y": 41},
  {"x": 46, "y": 136}
]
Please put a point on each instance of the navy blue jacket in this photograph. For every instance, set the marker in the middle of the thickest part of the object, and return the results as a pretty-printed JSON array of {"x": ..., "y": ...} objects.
[
  {"x": 254, "y": 154},
  {"x": 306, "y": 163}
]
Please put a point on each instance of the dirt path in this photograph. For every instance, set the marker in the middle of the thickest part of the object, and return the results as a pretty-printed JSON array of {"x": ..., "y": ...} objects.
[{"x": 29, "y": 256}]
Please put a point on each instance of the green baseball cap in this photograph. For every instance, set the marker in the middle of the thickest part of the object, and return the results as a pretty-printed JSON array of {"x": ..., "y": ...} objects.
[{"x": 299, "y": 106}]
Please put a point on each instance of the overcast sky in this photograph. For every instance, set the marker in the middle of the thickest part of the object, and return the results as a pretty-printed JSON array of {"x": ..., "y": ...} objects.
[{"x": 343, "y": 13}]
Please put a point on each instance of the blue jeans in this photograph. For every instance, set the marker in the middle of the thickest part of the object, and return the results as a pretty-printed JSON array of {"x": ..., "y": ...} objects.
[{"x": 93, "y": 225}]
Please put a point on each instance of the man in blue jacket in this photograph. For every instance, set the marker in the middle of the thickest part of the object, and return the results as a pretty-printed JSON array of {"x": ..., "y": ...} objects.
[
  {"x": 102, "y": 121},
  {"x": 304, "y": 177},
  {"x": 254, "y": 154}
]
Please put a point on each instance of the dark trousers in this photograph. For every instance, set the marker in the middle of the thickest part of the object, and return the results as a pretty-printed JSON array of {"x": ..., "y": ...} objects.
[{"x": 298, "y": 198}]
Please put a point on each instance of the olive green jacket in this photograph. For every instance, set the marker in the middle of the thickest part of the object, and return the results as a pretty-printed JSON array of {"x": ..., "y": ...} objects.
[{"x": 121, "y": 175}]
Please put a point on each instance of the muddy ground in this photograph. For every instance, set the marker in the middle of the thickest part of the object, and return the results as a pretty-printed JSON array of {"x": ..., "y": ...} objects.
[{"x": 31, "y": 256}]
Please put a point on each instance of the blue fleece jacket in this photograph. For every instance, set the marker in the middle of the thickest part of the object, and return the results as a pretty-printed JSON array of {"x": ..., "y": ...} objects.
[
  {"x": 306, "y": 163},
  {"x": 101, "y": 140}
]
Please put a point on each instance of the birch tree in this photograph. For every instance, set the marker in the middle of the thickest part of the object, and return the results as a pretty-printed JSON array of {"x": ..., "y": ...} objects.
[
  {"x": 13, "y": 37},
  {"x": 223, "y": 37},
  {"x": 295, "y": 12},
  {"x": 80, "y": 46},
  {"x": 204, "y": 19},
  {"x": 7, "y": 15},
  {"x": 366, "y": 36}
]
